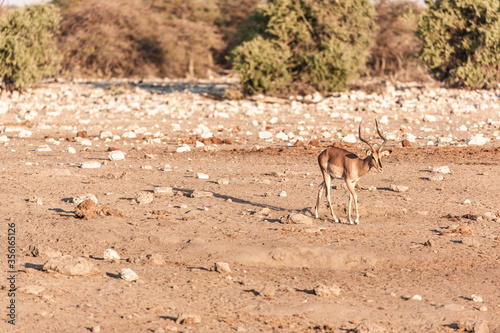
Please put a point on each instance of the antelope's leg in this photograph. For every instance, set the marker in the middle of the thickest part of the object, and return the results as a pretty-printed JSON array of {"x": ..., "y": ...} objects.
[
  {"x": 352, "y": 195},
  {"x": 328, "y": 185},
  {"x": 320, "y": 192}
]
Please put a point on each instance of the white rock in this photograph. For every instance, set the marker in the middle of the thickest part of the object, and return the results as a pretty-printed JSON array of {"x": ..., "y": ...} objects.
[
  {"x": 223, "y": 181},
  {"x": 144, "y": 198},
  {"x": 327, "y": 291},
  {"x": 282, "y": 136},
  {"x": 463, "y": 128},
  {"x": 129, "y": 135},
  {"x": 24, "y": 134},
  {"x": 477, "y": 140},
  {"x": 441, "y": 169},
  {"x": 265, "y": 135},
  {"x": 384, "y": 120},
  {"x": 200, "y": 175},
  {"x": 4, "y": 138},
  {"x": 128, "y": 275},
  {"x": 105, "y": 135},
  {"x": 116, "y": 155},
  {"x": 282, "y": 194},
  {"x": 4, "y": 107},
  {"x": 466, "y": 202},
  {"x": 86, "y": 142},
  {"x": 71, "y": 150},
  {"x": 476, "y": 298},
  {"x": 111, "y": 254},
  {"x": 43, "y": 148},
  {"x": 222, "y": 267},
  {"x": 90, "y": 165},
  {"x": 399, "y": 188},
  {"x": 183, "y": 148},
  {"x": 82, "y": 197},
  {"x": 429, "y": 118},
  {"x": 410, "y": 137},
  {"x": 273, "y": 120},
  {"x": 416, "y": 298},
  {"x": 350, "y": 138},
  {"x": 199, "y": 144}
]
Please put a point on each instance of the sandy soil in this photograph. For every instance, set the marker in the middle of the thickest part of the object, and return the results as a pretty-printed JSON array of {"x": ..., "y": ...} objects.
[{"x": 413, "y": 263}]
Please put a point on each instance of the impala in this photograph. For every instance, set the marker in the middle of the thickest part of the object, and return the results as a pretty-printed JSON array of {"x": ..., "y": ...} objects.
[{"x": 339, "y": 163}]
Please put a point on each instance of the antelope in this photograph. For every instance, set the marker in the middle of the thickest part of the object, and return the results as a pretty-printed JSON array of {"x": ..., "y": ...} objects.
[{"x": 339, "y": 163}]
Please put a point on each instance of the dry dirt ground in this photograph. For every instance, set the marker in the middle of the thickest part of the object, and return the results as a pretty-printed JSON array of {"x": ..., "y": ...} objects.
[{"x": 423, "y": 242}]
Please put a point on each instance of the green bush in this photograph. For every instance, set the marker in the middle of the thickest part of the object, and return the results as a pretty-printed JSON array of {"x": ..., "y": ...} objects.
[
  {"x": 262, "y": 65},
  {"x": 461, "y": 41},
  {"x": 323, "y": 44},
  {"x": 27, "y": 50}
]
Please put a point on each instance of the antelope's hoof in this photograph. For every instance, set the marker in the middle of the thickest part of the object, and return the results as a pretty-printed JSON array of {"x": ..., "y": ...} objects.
[
  {"x": 356, "y": 221},
  {"x": 351, "y": 223}
]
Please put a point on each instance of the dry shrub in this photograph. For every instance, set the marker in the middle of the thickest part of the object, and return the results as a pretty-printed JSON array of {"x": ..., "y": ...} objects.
[
  {"x": 125, "y": 38},
  {"x": 396, "y": 47}
]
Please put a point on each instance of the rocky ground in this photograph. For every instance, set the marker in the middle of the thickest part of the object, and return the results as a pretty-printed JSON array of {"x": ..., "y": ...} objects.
[{"x": 164, "y": 207}]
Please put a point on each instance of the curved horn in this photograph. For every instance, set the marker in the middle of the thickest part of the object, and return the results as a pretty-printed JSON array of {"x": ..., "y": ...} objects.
[
  {"x": 380, "y": 134},
  {"x": 363, "y": 140}
]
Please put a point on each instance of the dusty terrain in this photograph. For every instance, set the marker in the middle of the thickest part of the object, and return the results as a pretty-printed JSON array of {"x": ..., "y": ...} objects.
[{"x": 413, "y": 264}]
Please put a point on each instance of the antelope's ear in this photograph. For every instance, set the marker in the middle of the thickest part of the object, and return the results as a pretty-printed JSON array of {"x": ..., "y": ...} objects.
[
  {"x": 386, "y": 152},
  {"x": 368, "y": 152}
]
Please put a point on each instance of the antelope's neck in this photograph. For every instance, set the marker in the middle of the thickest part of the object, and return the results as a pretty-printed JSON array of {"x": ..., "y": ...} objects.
[{"x": 364, "y": 166}]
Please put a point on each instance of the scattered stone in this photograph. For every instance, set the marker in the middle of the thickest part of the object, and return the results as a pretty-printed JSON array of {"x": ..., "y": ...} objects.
[
  {"x": 368, "y": 327},
  {"x": 183, "y": 148},
  {"x": 416, "y": 298},
  {"x": 399, "y": 188},
  {"x": 282, "y": 194},
  {"x": 71, "y": 150},
  {"x": 96, "y": 329},
  {"x": 471, "y": 242},
  {"x": 441, "y": 169},
  {"x": 264, "y": 211},
  {"x": 223, "y": 181},
  {"x": 296, "y": 219},
  {"x": 4, "y": 138},
  {"x": 143, "y": 198},
  {"x": 188, "y": 319},
  {"x": 201, "y": 194},
  {"x": 31, "y": 290},
  {"x": 105, "y": 135},
  {"x": 265, "y": 135},
  {"x": 483, "y": 308},
  {"x": 44, "y": 148},
  {"x": 90, "y": 165},
  {"x": 268, "y": 291},
  {"x": 82, "y": 197},
  {"x": 480, "y": 326},
  {"x": 222, "y": 267},
  {"x": 111, "y": 254},
  {"x": 200, "y": 175},
  {"x": 35, "y": 200},
  {"x": 476, "y": 298},
  {"x": 44, "y": 251},
  {"x": 327, "y": 291},
  {"x": 477, "y": 140},
  {"x": 116, "y": 155},
  {"x": 68, "y": 265},
  {"x": 406, "y": 143},
  {"x": 24, "y": 134},
  {"x": 466, "y": 202},
  {"x": 128, "y": 275},
  {"x": 164, "y": 191},
  {"x": 156, "y": 259},
  {"x": 350, "y": 138},
  {"x": 81, "y": 134}
]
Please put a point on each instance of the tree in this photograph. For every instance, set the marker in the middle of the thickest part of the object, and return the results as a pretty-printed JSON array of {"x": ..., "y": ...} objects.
[
  {"x": 322, "y": 44},
  {"x": 27, "y": 49},
  {"x": 461, "y": 41}
]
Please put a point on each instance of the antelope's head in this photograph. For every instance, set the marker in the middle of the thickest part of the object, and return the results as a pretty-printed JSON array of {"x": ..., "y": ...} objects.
[{"x": 375, "y": 155}]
